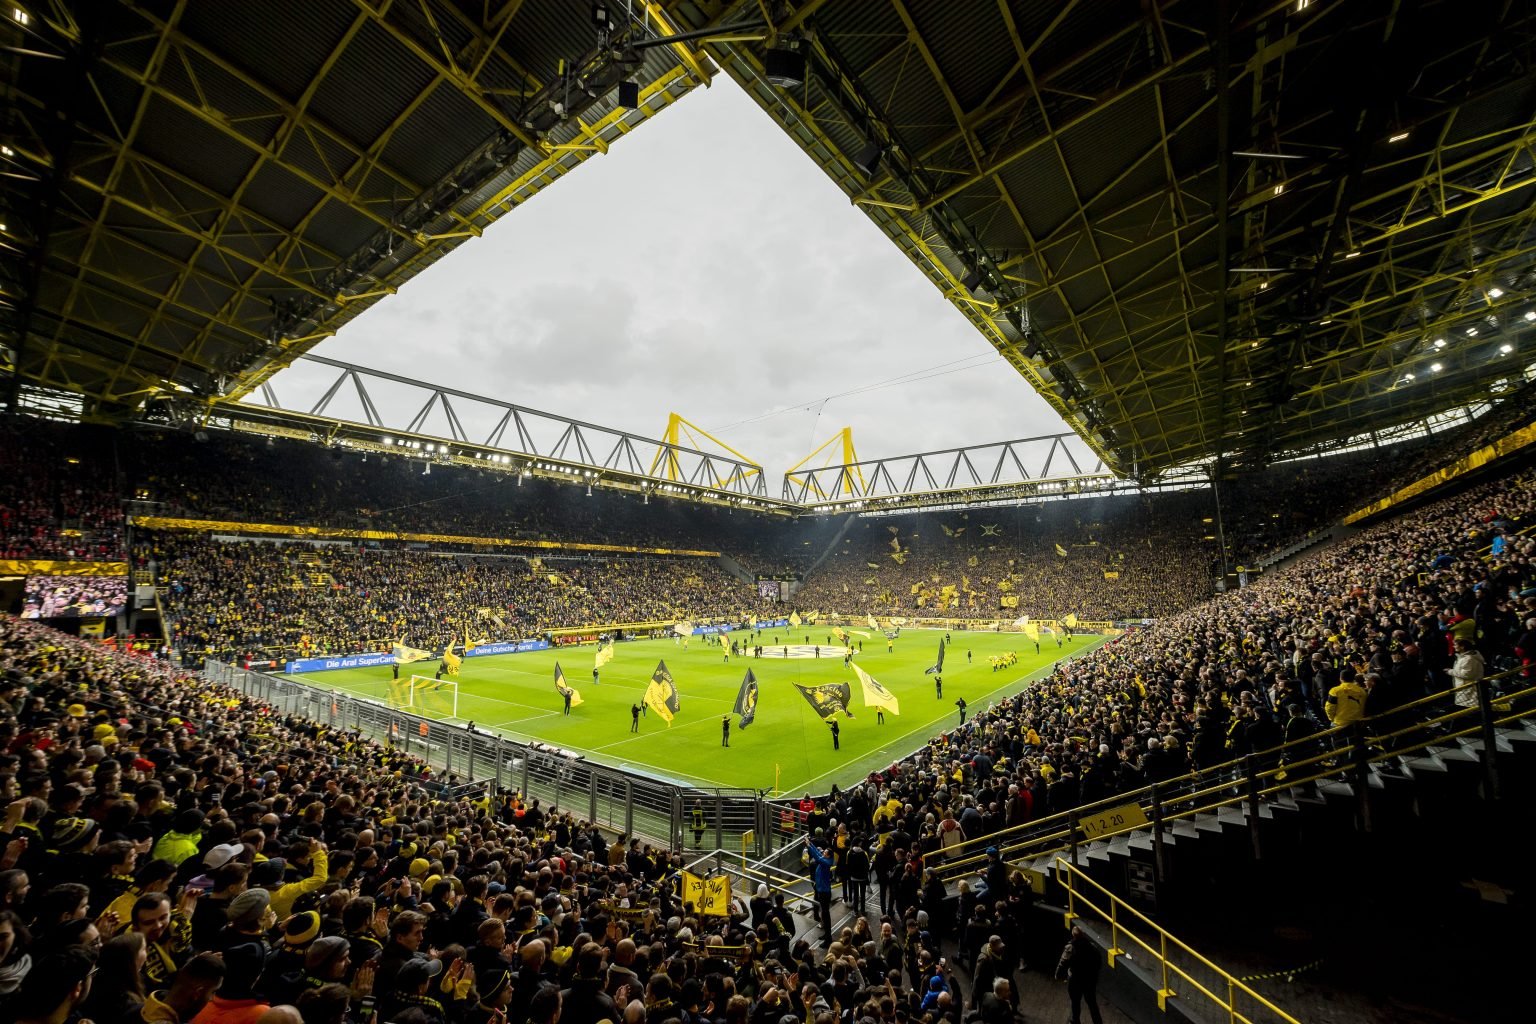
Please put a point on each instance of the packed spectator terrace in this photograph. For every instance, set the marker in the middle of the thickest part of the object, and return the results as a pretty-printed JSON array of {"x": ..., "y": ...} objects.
[{"x": 166, "y": 821}]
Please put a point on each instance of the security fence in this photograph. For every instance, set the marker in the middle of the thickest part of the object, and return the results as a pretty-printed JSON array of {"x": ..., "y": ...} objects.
[{"x": 625, "y": 803}]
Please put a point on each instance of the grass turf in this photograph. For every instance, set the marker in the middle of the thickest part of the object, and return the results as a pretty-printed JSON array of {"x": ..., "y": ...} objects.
[{"x": 514, "y": 694}]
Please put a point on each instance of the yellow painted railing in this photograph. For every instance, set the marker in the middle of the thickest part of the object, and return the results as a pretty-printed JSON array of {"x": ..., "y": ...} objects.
[
  {"x": 1169, "y": 954},
  {"x": 1329, "y": 754}
]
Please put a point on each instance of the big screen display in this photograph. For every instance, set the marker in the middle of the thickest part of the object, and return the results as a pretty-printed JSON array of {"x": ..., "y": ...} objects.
[{"x": 73, "y": 597}]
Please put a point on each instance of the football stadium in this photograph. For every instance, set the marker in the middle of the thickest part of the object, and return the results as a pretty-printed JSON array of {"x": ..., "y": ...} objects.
[{"x": 958, "y": 512}]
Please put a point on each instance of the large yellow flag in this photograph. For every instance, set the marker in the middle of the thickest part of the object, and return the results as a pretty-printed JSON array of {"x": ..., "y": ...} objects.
[
  {"x": 1070, "y": 620},
  {"x": 405, "y": 655},
  {"x": 684, "y": 628},
  {"x": 716, "y": 898},
  {"x": 872, "y": 623},
  {"x": 452, "y": 661},
  {"x": 604, "y": 655},
  {"x": 661, "y": 694},
  {"x": 725, "y": 642},
  {"x": 563, "y": 688},
  {"x": 875, "y": 693},
  {"x": 794, "y": 618},
  {"x": 691, "y": 889},
  {"x": 1032, "y": 631}
]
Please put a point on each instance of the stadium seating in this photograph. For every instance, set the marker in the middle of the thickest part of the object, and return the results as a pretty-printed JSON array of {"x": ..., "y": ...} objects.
[
  {"x": 133, "y": 787},
  {"x": 236, "y": 600}
]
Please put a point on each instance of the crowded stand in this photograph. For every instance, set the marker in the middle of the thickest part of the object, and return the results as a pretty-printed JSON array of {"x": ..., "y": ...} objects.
[
  {"x": 59, "y": 496},
  {"x": 238, "y": 478},
  {"x": 1436, "y": 598},
  {"x": 173, "y": 851},
  {"x": 176, "y": 852},
  {"x": 247, "y": 599},
  {"x": 1098, "y": 558}
]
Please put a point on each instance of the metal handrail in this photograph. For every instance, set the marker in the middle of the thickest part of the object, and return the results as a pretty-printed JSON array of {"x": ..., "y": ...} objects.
[
  {"x": 1068, "y": 874},
  {"x": 1063, "y": 825},
  {"x": 749, "y": 870}
]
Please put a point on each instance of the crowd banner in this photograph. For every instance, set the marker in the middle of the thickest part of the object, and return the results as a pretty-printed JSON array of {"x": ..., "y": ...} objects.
[
  {"x": 340, "y": 533},
  {"x": 47, "y": 567},
  {"x": 726, "y": 627},
  {"x": 373, "y": 660},
  {"x": 509, "y": 647},
  {"x": 1511, "y": 442}
]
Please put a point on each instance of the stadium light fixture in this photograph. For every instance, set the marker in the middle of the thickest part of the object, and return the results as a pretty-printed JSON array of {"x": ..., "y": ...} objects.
[
  {"x": 868, "y": 160},
  {"x": 1399, "y": 137},
  {"x": 1471, "y": 332},
  {"x": 1439, "y": 343},
  {"x": 7, "y": 151},
  {"x": 1436, "y": 367},
  {"x": 1506, "y": 349},
  {"x": 784, "y": 67},
  {"x": 20, "y": 16},
  {"x": 1530, "y": 314},
  {"x": 1495, "y": 292}
]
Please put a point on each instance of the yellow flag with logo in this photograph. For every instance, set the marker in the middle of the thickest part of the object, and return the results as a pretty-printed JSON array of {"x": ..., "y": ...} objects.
[
  {"x": 1070, "y": 620},
  {"x": 405, "y": 654},
  {"x": 452, "y": 661}
]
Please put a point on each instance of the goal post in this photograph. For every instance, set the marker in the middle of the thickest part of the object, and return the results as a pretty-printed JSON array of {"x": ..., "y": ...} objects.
[{"x": 426, "y": 696}]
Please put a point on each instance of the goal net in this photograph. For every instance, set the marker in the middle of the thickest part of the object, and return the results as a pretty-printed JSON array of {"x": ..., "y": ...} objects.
[{"x": 426, "y": 696}]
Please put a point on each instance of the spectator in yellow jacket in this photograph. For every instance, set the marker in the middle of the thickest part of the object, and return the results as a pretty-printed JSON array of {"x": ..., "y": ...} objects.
[
  {"x": 1346, "y": 701},
  {"x": 319, "y": 871}
]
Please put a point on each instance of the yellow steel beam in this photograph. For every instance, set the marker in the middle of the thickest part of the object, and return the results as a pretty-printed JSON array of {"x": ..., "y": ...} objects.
[
  {"x": 653, "y": 98},
  {"x": 114, "y": 173},
  {"x": 293, "y": 119}
]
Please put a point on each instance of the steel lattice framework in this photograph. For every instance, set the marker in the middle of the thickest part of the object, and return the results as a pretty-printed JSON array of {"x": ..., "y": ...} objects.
[
  {"x": 438, "y": 424},
  {"x": 1203, "y": 230},
  {"x": 1199, "y": 228},
  {"x": 197, "y": 193}
]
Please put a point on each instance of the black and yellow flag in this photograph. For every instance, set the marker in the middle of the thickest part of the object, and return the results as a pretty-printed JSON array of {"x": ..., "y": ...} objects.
[
  {"x": 604, "y": 655},
  {"x": 746, "y": 700},
  {"x": 827, "y": 699},
  {"x": 563, "y": 688},
  {"x": 661, "y": 694},
  {"x": 875, "y": 693},
  {"x": 938, "y": 666}
]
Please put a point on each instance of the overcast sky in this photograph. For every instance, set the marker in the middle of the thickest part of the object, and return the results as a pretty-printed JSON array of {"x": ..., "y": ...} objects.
[{"x": 705, "y": 266}]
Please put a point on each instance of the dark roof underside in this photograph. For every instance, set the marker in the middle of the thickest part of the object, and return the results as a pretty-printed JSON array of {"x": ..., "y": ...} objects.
[
  {"x": 1068, "y": 155},
  {"x": 196, "y": 193}
]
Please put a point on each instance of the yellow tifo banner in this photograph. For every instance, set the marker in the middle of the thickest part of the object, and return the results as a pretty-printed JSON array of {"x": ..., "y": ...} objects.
[
  {"x": 709, "y": 896},
  {"x": 282, "y": 530},
  {"x": 47, "y": 567}
]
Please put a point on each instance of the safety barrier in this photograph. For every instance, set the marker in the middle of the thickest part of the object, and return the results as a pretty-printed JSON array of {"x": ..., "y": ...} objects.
[
  {"x": 1346, "y": 752},
  {"x": 625, "y": 803},
  {"x": 1199, "y": 981}
]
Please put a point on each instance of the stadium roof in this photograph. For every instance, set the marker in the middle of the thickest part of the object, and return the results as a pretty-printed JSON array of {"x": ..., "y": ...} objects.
[
  {"x": 198, "y": 193},
  {"x": 1059, "y": 169}
]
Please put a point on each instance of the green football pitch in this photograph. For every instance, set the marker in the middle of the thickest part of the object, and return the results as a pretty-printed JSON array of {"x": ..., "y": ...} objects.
[{"x": 514, "y": 694}]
